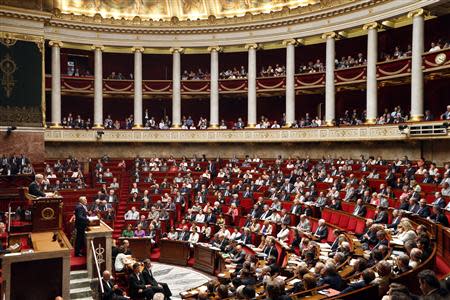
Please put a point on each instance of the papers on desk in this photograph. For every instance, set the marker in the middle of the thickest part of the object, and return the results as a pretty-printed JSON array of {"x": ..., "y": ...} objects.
[
  {"x": 294, "y": 281},
  {"x": 324, "y": 246},
  {"x": 214, "y": 248},
  {"x": 329, "y": 292},
  {"x": 282, "y": 277},
  {"x": 396, "y": 241}
]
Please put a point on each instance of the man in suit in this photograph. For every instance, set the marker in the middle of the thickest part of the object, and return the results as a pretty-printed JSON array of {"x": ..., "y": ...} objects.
[
  {"x": 184, "y": 234},
  {"x": 382, "y": 216},
  {"x": 266, "y": 213},
  {"x": 424, "y": 210},
  {"x": 438, "y": 200},
  {"x": 255, "y": 212},
  {"x": 220, "y": 242},
  {"x": 137, "y": 286},
  {"x": 270, "y": 250},
  {"x": 321, "y": 231},
  {"x": 382, "y": 240},
  {"x": 296, "y": 208},
  {"x": 157, "y": 287},
  {"x": 368, "y": 276},
  {"x": 35, "y": 188},
  {"x": 360, "y": 210},
  {"x": 238, "y": 258},
  {"x": 438, "y": 216},
  {"x": 413, "y": 206},
  {"x": 331, "y": 277},
  {"x": 112, "y": 197},
  {"x": 210, "y": 217},
  {"x": 81, "y": 223},
  {"x": 397, "y": 216},
  {"x": 246, "y": 238},
  {"x": 111, "y": 291}
]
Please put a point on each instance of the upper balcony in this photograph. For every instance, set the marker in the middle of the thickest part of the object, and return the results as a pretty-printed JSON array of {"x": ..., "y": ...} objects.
[{"x": 435, "y": 65}]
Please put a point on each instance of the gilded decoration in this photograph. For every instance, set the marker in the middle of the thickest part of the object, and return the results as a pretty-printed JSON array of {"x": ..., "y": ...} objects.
[
  {"x": 7, "y": 68},
  {"x": 20, "y": 116}
]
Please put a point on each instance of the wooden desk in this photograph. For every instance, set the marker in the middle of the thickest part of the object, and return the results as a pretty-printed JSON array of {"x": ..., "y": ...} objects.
[
  {"x": 45, "y": 272},
  {"x": 206, "y": 259},
  {"x": 174, "y": 252},
  {"x": 140, "y": 247}
]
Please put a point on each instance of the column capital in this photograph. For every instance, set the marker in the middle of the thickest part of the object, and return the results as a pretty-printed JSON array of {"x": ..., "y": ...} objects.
[
  {"x": 289, "y": 42},
  {"x": 179, "y": 50},
  {"x": 418, "y": 12},
  {"x": 137, "y": 49},
  {"x": 373, "y": 25},
  {"x": 97, "y": 47},
  {"x": 252, "y": 46},
  {"x": 56, "y": 44},
  {"x": 215, "y": 48},
  {"x": 327, "y": 35}
]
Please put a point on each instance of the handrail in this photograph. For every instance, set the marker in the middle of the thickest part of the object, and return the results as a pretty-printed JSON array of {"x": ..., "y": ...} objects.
[{"x": 97, "y": 267}]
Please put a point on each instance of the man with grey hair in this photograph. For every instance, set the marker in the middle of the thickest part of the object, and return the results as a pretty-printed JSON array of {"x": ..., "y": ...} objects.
[
  {"x": 81, "y": 223},
  {"x": 35, "y": 188}
]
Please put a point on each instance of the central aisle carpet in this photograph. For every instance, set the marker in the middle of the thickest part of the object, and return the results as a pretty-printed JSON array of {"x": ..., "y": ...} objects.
[{"x": 179, "y": 278}]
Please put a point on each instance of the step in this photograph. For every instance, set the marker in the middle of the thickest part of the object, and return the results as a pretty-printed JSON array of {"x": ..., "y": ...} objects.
[
  {"x": 80, "y": 283},
  {"x": 80, "y": 274},
  {"x": 80, "y": 293}
]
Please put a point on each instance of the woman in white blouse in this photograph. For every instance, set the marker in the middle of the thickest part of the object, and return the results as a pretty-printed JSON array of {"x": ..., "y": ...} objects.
[
  {"x": 405, "y": 231},
  {"x": 236, "y": 234},
  {"x": 266, "y": 229},
  {"x": 283, "y": 234},
  {"x": 194, "y": 236},
  {"x": 200, "y": 217}
]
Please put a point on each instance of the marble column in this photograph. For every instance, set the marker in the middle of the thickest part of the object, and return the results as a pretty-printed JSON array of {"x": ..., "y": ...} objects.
[
  {"x": 372, "y": 54},
  {"x": 251, "y": 85},
  {"x": 138, "y": 86},
  {"x": 214, "y": 101},
  {"x": 416, "y": 64},
  {"x": 329, "y": 78},
  {"x": 290, "y": 81},
  {"x": 98, "y": 86},
  {"x": 176, "y": 86},
  {"x": 56, "y": 82}
]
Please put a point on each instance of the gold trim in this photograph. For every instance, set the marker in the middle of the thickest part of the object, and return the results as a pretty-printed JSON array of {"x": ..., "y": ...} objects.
[
  {"x": 98, "y": 126},
  {"x": 250, "y": 125},
  {"x": 55, "y": 125},
  {"x": 137, "y": 126},
  {"x": 138, "y": 49},
  {"x": 416, "y": 13},
  {"x": 213, "y": 126},
  {"x": 373, "y": 25},
  {"x": 215, "y": 48},
  {"x": 371, "y": 121},
  {"x": 327, "y": 35},
  {"x": 56, "y": 43},
  {"x": 416, "y": 118},
  {"x": 175, "y": 49},
  {"x": 290, "y": 42},
  {"x": 97, "y": 47},
  {"x": 252, "y": 46},
  {"x": 175, "y": 126}
]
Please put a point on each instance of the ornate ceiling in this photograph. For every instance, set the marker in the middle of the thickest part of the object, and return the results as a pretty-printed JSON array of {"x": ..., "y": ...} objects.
[{"x": 182, "y": 9}]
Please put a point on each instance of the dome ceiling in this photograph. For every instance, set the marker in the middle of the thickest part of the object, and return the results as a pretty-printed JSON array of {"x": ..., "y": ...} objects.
[{"x": 182, "y": 9}]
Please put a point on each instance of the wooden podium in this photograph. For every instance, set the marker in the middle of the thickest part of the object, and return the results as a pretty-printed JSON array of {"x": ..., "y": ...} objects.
[
  {"x": 46, "y": 214},
  {"x": 206, "y": 259},
  {"x": 174, "y": 252},
  {"x": 98, "y": 238},
  {"x": 42, "y": 273}
]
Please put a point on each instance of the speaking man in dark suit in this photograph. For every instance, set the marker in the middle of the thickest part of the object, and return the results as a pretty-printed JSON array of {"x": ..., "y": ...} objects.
[
  {"x": 137, "y": 286},
  {"x": 35, "y": 188},
  {"x": 360, "y": 210},
  {"x": 81, "y": 223},
  {"x": 157, "y": 287},
  {"x": 111, "y": 291}
]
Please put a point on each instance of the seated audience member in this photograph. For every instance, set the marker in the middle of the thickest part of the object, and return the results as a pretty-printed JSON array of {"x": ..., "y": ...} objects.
[
  {"x": 137, "y": 286},
  {"x": 331, "y": 277},
  {"x": 128, "y": 232},
  {"x": 157, "y": 287},
  {"x": 111, "y": 291},
  {"x": 402, "y": 264},
  {"x": 384, "y": 270},
  {"x": 415, "y": 257},
  {"x": 438, "y": 216},
  {"x": 121, "y": 257},
  {"x": 367, "y": 277},
  {"x": 132, "y": 214},
  {"x": 139, "y": 232},
  {"x": 321, "y": 232},
  {"x": 430, "y": 286}
]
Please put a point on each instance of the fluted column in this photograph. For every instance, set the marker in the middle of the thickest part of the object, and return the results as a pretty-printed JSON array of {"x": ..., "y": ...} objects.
[
  {"x": 98, "y": 86},
  {"x": 138, "y": 86},
  {"x": 251, "y": 85},
  {"x": 372, "y": 54},
  {"x": 56, "y": 82},
  {"x": 416, "y": 65},
  {"x": 214, "y": 96},
  {"x": 290, "y": 81},
  {"x": 329, "y": 78},
  {"x": 176, "y": 86}
]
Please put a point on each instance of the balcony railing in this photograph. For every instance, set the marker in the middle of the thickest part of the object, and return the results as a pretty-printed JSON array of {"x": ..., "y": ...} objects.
[{"x": 432, "y": 62}]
